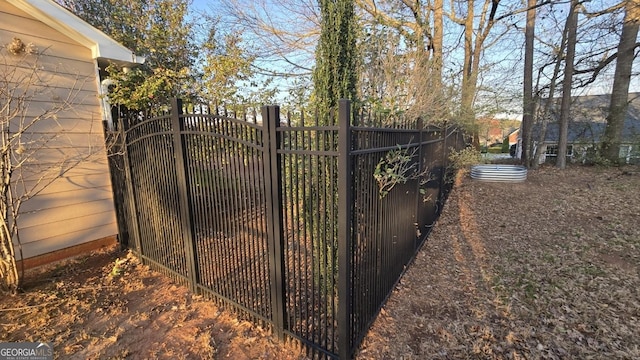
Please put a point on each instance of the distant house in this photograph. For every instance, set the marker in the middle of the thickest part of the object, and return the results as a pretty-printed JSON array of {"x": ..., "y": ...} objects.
[
  {"x": 494, "y": 131},
  {"x": 514, "y": 136},
  {"x": 75, "y": 212},
  {"x": 586, "y": 128}
]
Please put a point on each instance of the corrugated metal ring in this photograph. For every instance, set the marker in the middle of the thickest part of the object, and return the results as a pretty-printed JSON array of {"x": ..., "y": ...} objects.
[{"x": 511, "y": 173}]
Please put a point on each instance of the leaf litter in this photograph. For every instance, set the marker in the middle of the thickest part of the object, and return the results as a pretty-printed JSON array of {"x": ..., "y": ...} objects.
[{"x": 545, "y": 269}]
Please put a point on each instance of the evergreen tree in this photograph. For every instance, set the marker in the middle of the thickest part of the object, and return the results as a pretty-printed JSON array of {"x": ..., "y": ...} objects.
[{"x": 335, "y": 74}]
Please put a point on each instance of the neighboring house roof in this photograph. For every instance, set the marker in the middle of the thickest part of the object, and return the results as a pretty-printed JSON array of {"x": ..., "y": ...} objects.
[
  {"x": 64, "y": 21},
  {"x": 595, "y": 108},
  {"x": 588, "y": 120}
]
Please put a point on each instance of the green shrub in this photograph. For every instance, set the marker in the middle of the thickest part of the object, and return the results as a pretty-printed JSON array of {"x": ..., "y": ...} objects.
[
  {"x": 593, "y": 156},
  {"x": 465, "y": 157},
  {"x": 505, "y": 145}
]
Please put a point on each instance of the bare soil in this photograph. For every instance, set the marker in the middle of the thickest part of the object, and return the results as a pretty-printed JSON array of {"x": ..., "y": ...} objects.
[
  {"x": 109, "y": 306},
  {"x": 545, "y": 269}
]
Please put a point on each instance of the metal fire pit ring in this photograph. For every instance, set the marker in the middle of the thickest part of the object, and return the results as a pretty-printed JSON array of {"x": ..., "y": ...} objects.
[{"x": 508, "y": 173}]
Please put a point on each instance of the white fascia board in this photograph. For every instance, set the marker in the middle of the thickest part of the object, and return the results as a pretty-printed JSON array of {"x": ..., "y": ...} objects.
[{"x": 64, "y": 21}]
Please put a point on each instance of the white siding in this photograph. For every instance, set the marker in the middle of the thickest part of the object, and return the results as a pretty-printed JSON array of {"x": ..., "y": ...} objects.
[{"x": 78, "y": 206}]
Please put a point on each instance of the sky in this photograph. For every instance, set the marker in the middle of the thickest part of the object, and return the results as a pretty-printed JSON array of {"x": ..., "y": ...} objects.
[
  {"x": 507, "y": 59},
  {"x": 203, "y": 4}
]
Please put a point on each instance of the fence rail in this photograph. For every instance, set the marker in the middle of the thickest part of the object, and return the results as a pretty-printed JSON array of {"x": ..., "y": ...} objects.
[{"x": 286, "y": 224}]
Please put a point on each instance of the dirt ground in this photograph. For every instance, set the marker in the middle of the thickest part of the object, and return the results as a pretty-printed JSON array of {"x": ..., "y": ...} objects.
[{"x": 546, "y": 269}]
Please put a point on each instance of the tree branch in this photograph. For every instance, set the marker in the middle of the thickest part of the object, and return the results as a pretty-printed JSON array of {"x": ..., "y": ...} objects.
[{"x": 598, "y": 68}]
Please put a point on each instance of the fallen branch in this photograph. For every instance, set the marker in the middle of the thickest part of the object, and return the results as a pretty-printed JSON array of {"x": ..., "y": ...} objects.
[{"x": 27, "y": 307}]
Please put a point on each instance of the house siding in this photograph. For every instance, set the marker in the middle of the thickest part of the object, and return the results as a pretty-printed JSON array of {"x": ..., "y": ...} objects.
[{"x": 77, "y": 207}]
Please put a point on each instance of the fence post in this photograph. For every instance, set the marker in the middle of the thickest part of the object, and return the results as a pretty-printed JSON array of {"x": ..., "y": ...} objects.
[
  {"x": 419, "y": 198},
  {"x": 443, "y": 171},
  {"x": 345, "y": 216},
  {"x": 273, "y": 194},
  {"x": 182, "y": 177},
  {"x": 114, "y": 140},
  {"x": 131, "y": 198}
]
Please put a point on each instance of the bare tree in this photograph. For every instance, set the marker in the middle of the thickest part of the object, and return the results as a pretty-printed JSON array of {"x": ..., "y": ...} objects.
[
  {"x": 284, "y": 39},
  {"x": 34, "y": 149},
  {"x": 599, "y": 37},
  {"x": 528, "y": 103},
  {"x": 565, "y": 107},
  {"x": 598, "y": 27},
  {"x": 620, "y": 91},
  {"x": 419, "y": 23},
  {"x": 476, "y": 33},
  {"x": 402, "y": 50},
  {"x": 544, "y": 109}
]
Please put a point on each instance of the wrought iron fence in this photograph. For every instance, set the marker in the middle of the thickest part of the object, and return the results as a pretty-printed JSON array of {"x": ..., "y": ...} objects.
[{"x": 304, "y": 227}]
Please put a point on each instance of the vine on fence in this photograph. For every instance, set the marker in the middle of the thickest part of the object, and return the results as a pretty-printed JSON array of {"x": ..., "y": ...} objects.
[{"x": 398, "y": 167}]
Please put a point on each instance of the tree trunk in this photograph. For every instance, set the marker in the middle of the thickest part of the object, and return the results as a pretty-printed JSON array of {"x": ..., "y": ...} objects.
[
  {"x": 473, "y": 46},
  {"x": 9, "y": 279},
  {"x": 438, "y": 42},
  {"x": 620, "y": 91},
  {"x": 528, "y": 105},
  {"x": 565, "y": 107},
  {"x": 468, "y": 88},
  {"x": 543, "y": 115}
]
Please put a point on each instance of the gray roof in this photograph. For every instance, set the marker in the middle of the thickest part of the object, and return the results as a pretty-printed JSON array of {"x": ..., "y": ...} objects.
[{"x": 588, "y": 120}]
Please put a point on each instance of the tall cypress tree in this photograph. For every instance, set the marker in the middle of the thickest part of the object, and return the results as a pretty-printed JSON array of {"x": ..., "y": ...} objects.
[
  {"x": 335, "y": 75},
  {"x": 334, "y": 78}
]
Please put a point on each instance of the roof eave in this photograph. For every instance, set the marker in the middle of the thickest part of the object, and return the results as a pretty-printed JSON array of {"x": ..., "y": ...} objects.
[{"x": 64, "y": 21}]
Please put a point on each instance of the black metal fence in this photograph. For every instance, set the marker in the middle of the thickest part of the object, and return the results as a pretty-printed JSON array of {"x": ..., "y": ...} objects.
[{"x": 305, "y": 227}]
